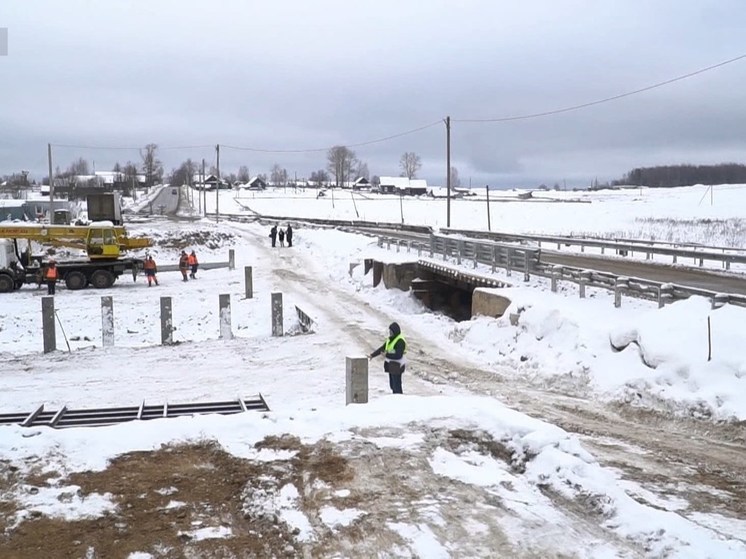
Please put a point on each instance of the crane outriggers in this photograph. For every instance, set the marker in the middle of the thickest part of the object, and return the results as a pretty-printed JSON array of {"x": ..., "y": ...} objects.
[{"x": 103, "y": 243}]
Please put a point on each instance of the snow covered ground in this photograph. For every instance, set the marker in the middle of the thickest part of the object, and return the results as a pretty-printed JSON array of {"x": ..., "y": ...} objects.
[{"x": 448, "y": 469}]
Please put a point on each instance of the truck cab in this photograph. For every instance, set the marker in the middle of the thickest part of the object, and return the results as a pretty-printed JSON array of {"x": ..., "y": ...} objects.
[{"x": 11, "y": 273}]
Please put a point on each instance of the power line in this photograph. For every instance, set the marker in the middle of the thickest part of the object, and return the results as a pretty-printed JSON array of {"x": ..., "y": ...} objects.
[
  {"x": 359, "y": 144},
  {"x": 605, "y": 100},
  {"x": 211, "y": 146}
]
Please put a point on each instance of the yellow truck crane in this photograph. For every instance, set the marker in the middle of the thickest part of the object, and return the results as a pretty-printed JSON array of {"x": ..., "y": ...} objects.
[{"x": 104, "y": 244}]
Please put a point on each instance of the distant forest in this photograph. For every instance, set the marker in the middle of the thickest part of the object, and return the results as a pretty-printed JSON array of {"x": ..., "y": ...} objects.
[{"x": 685, "y": 175}]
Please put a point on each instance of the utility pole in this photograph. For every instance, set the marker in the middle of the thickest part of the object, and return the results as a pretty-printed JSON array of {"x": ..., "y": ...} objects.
[
  {"x": 217, "y": 187},
  {"x": 202, "y": 189},
  {"x": 489, "y": 225},
  {"x": 51, "y": 185},
  {"x": 448, "y": 171}
]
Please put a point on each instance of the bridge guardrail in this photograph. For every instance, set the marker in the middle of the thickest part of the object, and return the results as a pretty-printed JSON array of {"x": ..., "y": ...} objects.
[
  {"x": 621, "y": 247},
  {"x": 497, "y": 254}
]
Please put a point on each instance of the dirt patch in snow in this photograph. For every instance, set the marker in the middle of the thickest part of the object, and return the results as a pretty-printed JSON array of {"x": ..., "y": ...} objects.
[
  {"x": 352, "y": 498},
  {"x": 193, "y": 238}
]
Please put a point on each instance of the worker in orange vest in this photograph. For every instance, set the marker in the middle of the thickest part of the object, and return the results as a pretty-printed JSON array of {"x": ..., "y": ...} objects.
[
  {"x": 150, "y": 270},
  {"x": 50, "y": 277},
  {"x": 193, "y": 264},
  {"x": 184, "y": 265}
]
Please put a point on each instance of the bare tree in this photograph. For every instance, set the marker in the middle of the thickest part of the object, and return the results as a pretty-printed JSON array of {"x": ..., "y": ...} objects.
[
  {"x": 410, "y": 163},
  {"x": 376, "y": 180},
  {"x": 243, "y": 174},
  {"x": 455, "y": 181},
  {"x": 152, "y": 167},
  {"x": 341, "y": 163},
  {"x": 362, "y": 170},
  {"x": 320, "y": 177},
  {"x": 79, "y": 167},
  {"x": 184, "y": 173},
  {"x": 278, "y": 175},
  {"x": 117, "y": 167}
]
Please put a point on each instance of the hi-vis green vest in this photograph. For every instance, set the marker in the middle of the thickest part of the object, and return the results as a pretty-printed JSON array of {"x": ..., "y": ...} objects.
[{"x": 390, "y": 344}]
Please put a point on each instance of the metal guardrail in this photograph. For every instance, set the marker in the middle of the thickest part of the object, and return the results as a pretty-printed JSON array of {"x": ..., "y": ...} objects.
[
  {"x": 110, "y": 416},
  {"x": 620, "y": 247},
  {"x": 482, "y": 252},
  {"x": 496, "y": 255}
]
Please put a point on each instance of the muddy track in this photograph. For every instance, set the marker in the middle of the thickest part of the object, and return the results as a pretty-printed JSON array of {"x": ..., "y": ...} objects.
[{"x": 695, "y": 460}]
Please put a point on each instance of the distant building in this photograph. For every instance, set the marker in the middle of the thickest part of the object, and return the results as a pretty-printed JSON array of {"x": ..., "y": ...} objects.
[
  {"x": 361, "y": 183},
  {"x": 257, "y": 183},
  {"x": 403, "y": 186}
]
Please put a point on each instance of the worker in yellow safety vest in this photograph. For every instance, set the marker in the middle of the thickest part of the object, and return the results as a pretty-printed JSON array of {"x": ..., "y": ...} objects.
[{"x": 394, "y": 362}]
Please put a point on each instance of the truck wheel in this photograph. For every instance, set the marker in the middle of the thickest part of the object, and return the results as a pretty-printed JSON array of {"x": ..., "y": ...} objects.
[
  {"x": 102, "y": 279},
  {"x": 75, "y": 280},
  {"x": 7, "y": 283}
]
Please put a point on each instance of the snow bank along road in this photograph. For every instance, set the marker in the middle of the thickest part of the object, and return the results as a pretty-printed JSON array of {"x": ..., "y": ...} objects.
[{"x": 671, "y": 458}]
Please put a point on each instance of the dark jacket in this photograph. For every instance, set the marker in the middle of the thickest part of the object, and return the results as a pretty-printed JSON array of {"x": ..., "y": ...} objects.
[
  {"x": 289, "y": 232},
  {"x": 399, "y": 348},
  {"x": 273, "y": 232}
]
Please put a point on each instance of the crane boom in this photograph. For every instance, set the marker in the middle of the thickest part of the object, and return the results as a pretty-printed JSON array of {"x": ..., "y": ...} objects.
[{"x": 100, "y": 241}]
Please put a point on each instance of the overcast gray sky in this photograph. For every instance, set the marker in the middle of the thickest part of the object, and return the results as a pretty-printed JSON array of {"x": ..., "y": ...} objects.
[{"x": 307, "y": 74}]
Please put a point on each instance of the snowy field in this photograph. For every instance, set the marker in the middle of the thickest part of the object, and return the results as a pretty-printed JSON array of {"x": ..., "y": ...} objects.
[{"x": 517, "y": 486}]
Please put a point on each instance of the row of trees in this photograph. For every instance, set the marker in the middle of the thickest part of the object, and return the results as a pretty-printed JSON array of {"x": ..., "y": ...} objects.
[
  {"x": 343, "y": 166},
  {"x": 685, "y": 175}
]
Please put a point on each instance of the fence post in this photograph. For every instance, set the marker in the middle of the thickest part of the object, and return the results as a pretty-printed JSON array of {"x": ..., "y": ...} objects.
[
  {"x": 719, "y": 300},
  {"x": 585, "y": 277},
  {"x": 460, "y": 251},
  {"x": 356, "y": 380},
  {"x": 248, "y": 276},
  {"x": 380, "y": 242},
  {"x": 388, "y": 243},
  {"x": 277, "y": 329},
  {"x": 665, "y": 294},
  {"x": 107, "y": 321},
  {"x": 556, "y": 275},
  {"x": 476, "y": 254},
  {"x": 526, "y": 266},
  {"x": 47, "y": 324},
  {"x": 224, "y": 304},
  {"x": 494, "y": 258},
  {"x": 419, "y": 249},
  {"x": 398, "y": 245},
  {"x": 409, "y": 246},
  {"x": 167, "y": 323},
  {"x": 509, "y": 262},
  {"x": 231, "y": 259},
  {"x": 432, "y": 245},
  {"x": 619, "y": 286}
]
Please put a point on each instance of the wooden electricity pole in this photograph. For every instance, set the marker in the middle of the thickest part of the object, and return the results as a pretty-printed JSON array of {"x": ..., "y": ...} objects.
[
  {"x": 217, "y": 187},
  {"x": 51, "y": 185},
  {"x": 448, "y": 171},
  {"x": 489, "y": 226}
]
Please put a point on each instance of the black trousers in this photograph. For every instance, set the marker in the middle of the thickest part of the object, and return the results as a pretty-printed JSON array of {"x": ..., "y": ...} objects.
[
  {"x": 51, "y": 284},
  {"x": 395, "y": 383}
]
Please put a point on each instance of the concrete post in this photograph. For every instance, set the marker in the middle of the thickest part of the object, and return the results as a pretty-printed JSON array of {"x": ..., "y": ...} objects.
[
  {"x": 167, "y": 323},
  {"x": 476, "y": 254},
  {"x": 107, "y": 321},
  {"x": 224, "y": 302},
  {"x": 585, "y": 278},
  {"x": 509, "y": 263},
  {"x": 356, "y": 380},
  {"x": 556, "y": 275},
  {"x": 231, "y": 259},
  {"x": 460, "y": 252},
  {"x": 248, "y": 281},
  {"x": 277, "y": 329},
  {"x": 719, "y": 300},
  {"x": 665, "y": 295},
  {"x": 494, "y": 258},
  {"x": 619, "y": 286},
  {"x": 380, "y": 242},
  {"x": 432, "y": 245},
  {"x": 398, "y": 245},
  {"x": 526, "y": 267},
  {"x": 47, "y": 323}
]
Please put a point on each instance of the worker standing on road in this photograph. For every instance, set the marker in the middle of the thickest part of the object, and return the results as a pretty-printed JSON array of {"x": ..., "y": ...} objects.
[
  {"x": 289, "y": 235},
  {"x": 394, "y": 364},
  {"x": 50, "y": 277},
  {"x": 281, "y": 234},
  {"x": 193, "y": 264},
  {"x": 184, "y": 265},
  {"x": 150, "y": 270},
  {"x": 273, "y": 234}
]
